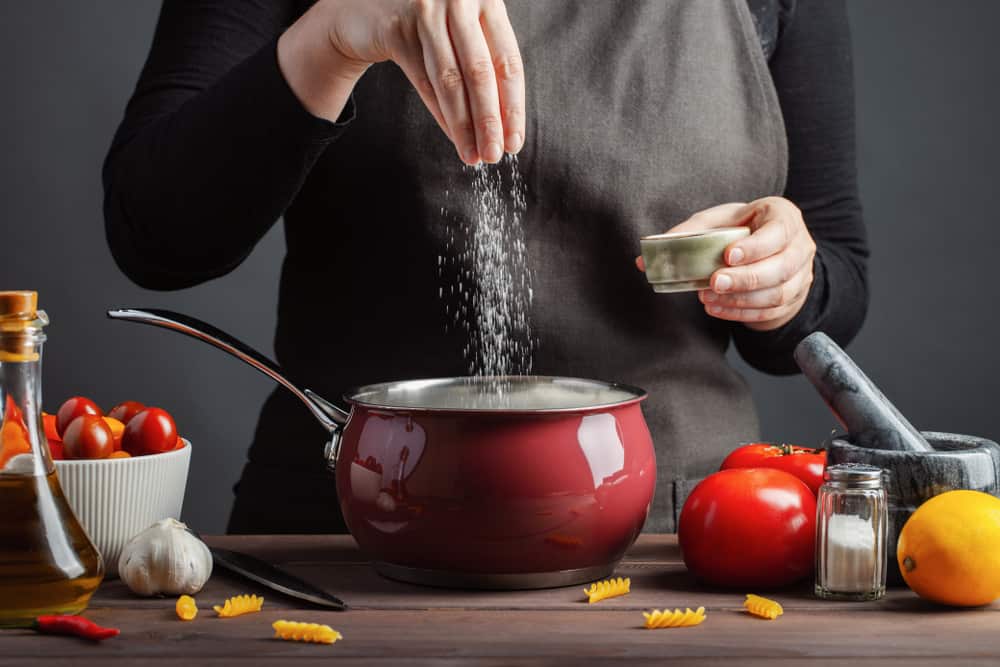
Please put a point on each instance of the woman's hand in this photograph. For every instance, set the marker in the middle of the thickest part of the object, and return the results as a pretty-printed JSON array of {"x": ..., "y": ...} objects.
[
  {"x": 460, "y": 55},
  {"x": 769, "y": 273}
]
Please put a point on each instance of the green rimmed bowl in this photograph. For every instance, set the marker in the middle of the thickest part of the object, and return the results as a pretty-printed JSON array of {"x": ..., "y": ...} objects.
[{"x": 685, "y": 261}]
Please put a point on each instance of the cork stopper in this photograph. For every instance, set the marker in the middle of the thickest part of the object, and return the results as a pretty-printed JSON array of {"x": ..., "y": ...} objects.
[
  {"x": 18, "y": 304},
  {"x": 19, "y": 319}
]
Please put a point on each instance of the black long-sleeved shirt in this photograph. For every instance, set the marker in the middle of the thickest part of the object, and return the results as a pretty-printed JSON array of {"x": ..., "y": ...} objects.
[
  {"x": 214, "y": 147},
  {"x": 621, "y": 142}
]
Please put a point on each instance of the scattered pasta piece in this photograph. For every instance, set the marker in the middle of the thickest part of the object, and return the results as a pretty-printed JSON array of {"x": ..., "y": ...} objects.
[
  {"x": 762, "y": 607},
  {"x": 609, "y": 588},
  {"x": 186, "y": 608},
  {"x": 674, "y": 619},
  {"x": 239, "y": 605},
  {"x": 305, "y": 632}
]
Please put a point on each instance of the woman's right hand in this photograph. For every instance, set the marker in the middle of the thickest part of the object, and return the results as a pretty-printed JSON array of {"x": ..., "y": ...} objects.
[{"x": 460, "y": 55}]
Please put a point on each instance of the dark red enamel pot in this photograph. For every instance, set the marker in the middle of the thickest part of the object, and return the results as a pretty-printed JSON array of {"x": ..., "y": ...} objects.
[
  {"x": 502, "y": 496},
  {"x": 517, "y": 482}
]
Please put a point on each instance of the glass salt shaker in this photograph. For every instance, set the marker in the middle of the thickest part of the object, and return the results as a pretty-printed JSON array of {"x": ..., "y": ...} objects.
[{"x": 851, "y": 526}]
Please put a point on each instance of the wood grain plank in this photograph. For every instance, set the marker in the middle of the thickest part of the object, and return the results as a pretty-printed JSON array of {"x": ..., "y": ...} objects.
[
  {"x": 258, "y": 661},
  {"x": 553, "y": 635},
  {"x": 390, "y": 622},
  {"x": 655, "y": 583}
]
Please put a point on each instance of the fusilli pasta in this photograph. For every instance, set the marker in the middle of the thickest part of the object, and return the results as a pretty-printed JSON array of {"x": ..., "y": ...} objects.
[
  {"x": 762, "y": 607},
  {"x": 186, "y": 608},
  {"x": 305, "y": 632},
  {"x": 674, "y": 619},
  {"x": 239, "y": 605},
  {"x": 608, "y": 588}
]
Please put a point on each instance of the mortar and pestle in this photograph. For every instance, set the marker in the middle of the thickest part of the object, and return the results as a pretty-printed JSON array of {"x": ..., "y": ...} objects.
[{"x": 917, "y": 465}]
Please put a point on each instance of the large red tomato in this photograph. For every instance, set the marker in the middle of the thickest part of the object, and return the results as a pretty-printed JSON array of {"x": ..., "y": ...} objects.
[
  {"x": 749, "y": 527},
  {"x": 806, "y": 464}
]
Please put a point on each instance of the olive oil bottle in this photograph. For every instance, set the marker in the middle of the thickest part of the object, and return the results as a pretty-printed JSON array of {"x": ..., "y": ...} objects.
[{"x": 47, "y": 563}]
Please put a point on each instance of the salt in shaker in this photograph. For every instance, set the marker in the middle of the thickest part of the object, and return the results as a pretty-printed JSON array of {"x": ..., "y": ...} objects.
[{"x": 851, "y": 526}]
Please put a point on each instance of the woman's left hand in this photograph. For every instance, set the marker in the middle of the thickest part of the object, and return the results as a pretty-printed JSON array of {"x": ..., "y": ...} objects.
[{"x": 768, "y": 274}]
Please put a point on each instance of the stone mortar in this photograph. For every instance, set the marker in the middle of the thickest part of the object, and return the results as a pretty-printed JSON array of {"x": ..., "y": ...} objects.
[{"x": 957, "y": 462}]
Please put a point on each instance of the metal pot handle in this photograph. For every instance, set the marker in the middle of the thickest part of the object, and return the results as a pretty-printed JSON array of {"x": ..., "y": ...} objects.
[{"x": 329, "y": 415}]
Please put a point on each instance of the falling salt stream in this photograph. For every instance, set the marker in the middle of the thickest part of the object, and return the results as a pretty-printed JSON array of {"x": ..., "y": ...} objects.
[{"x": 489, "y": 295}]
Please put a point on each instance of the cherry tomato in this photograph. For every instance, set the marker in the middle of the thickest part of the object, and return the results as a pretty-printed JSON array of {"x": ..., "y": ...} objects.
[
  {"x": 73, "y": 408},
  {"x": 125, "y": 410},
  {"x": 150, "y": 432},
  {"x": 88, "y": 437},
  {"x": 56, "y": 450},
  {"x": 806, "y": 464},
  {"x": 119, "y": 455},
  {"x": 749, "y": 528}
]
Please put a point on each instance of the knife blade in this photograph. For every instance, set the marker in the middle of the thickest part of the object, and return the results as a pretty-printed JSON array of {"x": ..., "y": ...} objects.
[{"x": 274, "y": 578}]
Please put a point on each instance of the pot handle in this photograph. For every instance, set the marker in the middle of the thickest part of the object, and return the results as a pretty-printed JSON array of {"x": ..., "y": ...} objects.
[{"x": 329, "y": 415}]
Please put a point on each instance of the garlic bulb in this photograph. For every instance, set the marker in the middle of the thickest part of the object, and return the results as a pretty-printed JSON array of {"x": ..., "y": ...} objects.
[{"x": 165, "y": 559}]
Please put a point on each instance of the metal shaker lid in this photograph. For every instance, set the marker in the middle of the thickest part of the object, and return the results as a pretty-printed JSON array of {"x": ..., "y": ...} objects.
[{"x": 854, "y": 474}]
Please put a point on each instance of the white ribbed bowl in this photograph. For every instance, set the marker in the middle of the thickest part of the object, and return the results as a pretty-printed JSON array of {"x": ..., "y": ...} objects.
[{"x": 115, "y": 499}]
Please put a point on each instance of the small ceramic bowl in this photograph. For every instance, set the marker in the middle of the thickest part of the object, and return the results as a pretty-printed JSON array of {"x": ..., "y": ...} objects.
[
  {"x": 685, "y": 261},
  {"x": 115, "y": 499}
]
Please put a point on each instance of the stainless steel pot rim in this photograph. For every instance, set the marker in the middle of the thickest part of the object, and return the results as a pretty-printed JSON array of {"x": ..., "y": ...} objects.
[{"x": 510, "y": 394}]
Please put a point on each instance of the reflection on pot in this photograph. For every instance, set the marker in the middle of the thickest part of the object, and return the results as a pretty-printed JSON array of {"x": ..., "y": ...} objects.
[
  {"x": 389, "y": 449},
  {"x": 366, "y": 479},
  {"x": 564, "y": 541},
  {"x": 394, "y": 443},
  {"x": 601, "y": 446}
]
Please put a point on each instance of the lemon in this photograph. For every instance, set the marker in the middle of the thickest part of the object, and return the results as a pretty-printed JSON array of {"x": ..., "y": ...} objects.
[{"x": 949, "y": 549}]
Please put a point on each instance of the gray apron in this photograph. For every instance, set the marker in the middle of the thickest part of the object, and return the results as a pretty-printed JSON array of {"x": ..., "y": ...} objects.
[{"x": 639, "y": 114}]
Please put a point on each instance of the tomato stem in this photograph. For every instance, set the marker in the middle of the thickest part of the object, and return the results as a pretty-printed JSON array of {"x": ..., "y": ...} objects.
[{"x": 788, "y": 450}]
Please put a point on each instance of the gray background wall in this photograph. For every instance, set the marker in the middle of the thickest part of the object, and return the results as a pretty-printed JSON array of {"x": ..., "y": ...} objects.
[{"x": 928, "y": 145}]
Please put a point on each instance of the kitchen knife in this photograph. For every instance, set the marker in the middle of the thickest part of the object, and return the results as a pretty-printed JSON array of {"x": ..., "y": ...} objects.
[{"x": 274, "y": 578}]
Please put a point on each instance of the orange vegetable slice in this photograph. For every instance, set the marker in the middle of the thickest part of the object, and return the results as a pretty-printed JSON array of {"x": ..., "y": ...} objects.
[
  {"x": 13, "y": 434},
  {"x": 117, "y": 429},
  {"x": 49, "y": 422}
]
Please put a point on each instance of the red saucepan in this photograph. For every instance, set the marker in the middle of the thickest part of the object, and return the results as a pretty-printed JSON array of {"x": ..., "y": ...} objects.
[{"x": 514, "y": 482}]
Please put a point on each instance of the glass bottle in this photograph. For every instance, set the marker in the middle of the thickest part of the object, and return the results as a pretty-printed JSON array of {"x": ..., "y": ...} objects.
[
  {"x": 851, "y": 525},
  {"x": 47, "y": 563}
]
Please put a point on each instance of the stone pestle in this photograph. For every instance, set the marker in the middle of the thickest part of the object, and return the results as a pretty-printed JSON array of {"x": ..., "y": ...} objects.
[{"x": 870, "y": 419}]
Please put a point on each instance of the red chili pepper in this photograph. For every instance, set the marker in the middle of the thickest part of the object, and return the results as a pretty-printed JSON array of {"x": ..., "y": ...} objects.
[{"x": 78, "y": 626}]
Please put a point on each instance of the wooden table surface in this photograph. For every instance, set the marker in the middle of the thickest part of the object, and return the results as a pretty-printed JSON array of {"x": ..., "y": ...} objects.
[{"x": 391, "y": 623}]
